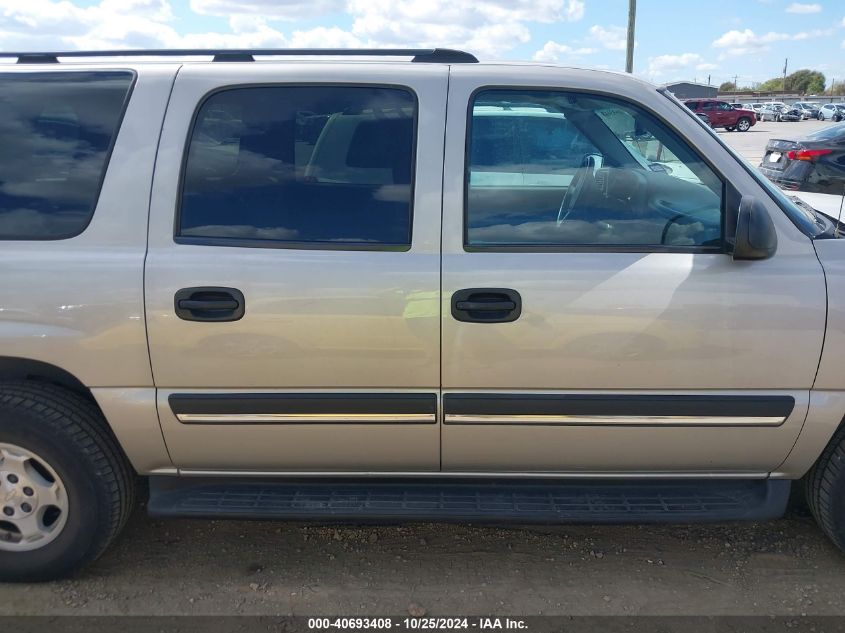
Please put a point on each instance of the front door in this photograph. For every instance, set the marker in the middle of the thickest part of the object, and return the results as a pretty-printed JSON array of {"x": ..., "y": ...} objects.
[
  {"x": 293, "y": 273},
  {"x": 592, "y": 320}
]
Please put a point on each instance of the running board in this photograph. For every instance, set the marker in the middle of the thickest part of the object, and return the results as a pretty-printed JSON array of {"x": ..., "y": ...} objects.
[{"x": 498, "y": 501}]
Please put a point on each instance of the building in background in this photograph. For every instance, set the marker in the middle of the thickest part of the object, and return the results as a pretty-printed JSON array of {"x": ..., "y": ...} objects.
[{"x": 692, "y": 90}]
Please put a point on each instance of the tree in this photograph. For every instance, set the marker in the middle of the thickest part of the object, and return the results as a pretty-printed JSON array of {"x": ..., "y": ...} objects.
[
  {"x": 805, "y": 81},
  {"x": 771, "y": 84},
  {"x": 727, "y": 86},
  {"x": 836, "y": 89}
]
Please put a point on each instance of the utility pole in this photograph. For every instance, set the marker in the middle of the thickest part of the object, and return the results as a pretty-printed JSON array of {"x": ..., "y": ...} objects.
[
  {"x": 629, "y": 53},
  {"x": 736, "y": 85},
  {"x": 785, "y": 64},
  {"x": 708, "y": 80}
]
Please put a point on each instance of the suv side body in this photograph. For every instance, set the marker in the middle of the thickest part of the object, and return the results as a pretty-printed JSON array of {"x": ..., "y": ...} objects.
[{"x": 376, "y": 289}]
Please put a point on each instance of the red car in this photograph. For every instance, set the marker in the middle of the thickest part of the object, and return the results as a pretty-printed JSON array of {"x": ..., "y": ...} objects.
[{"x": 723, "y": 114}]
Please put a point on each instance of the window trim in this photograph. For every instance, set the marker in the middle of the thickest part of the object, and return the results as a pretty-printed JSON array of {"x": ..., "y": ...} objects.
[
  {"x": 106, "y": 163},
  {"x": 582, "y": 248},
  {"x": 237, "y": 242}
]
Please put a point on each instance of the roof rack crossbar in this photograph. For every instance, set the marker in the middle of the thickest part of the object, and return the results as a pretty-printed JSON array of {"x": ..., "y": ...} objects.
[{"x": 441, "y": 55}]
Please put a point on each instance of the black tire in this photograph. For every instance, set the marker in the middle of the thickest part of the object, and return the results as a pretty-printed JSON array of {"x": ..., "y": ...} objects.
[
  {"x": 69, "y": 433},
  {"x": 837, "y": 118},
  {"x": 820, "y": 116},
  {"x": 744, "y": 124},
  {"x": 825, "y": 489},
  {"x": 730, "y": 128}
]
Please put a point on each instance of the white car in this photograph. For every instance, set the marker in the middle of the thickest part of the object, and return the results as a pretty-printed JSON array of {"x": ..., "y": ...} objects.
[{"x": 832, "y": 112}]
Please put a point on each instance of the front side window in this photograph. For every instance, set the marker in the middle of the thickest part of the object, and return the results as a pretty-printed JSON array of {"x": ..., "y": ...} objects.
[
  {"x": 57, "y": 130},
  {"x": 330, "y": 165},
  {"x": 551, "y": 168}
]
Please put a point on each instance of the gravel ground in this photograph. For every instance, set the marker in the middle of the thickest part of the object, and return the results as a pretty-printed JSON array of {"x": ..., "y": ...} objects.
[{"x": 784, "y": 567}]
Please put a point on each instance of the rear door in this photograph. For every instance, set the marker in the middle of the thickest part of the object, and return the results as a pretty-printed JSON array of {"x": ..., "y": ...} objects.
[
  {"x": 592, "y": 320},
  {"x": 293, "y": 272}
]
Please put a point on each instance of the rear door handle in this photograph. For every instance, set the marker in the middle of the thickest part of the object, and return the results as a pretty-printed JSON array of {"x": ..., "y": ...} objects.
[
  {"x": 209, "y": 303},
  {"x": 486, "y": 305}
]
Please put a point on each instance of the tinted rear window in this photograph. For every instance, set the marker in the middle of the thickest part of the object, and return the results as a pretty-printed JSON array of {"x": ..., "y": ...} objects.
[
  {"x": 303, "y": 165},
  {"x": 57, "y": 131}
]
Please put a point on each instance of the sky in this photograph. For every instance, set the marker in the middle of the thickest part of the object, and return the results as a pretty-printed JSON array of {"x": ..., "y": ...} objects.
[{"x": 675, "y": 39}]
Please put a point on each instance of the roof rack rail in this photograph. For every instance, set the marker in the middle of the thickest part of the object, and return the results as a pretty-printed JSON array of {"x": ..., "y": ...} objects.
[{"x": 440, "y": 55}]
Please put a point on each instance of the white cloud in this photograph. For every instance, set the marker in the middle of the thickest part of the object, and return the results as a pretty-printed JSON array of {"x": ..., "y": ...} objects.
[
  {"x": 612, "y": 37},
  {"x": 555, "y": 52},
  {"x": 799, "y": 7},
  {"x": 270, "y": 9},
  {"x": 57, "y": 24},
  {"x": 747, "y": 41},
  {"x": 662, "y": 66},
  {"x": 487, "y": 27}
]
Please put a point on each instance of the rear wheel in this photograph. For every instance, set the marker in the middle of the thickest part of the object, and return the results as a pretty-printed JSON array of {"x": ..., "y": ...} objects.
[
  {"x": 66, "y": 488},
  {"x": 744, "y": 124},
  {"x": 825, "y": 489}
]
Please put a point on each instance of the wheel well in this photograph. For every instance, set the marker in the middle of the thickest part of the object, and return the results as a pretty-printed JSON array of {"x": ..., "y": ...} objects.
[{"x": 12, "y": 368}]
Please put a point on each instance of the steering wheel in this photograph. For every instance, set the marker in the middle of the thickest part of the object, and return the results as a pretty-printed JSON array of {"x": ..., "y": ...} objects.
[
  {"x": 586, "y": 171},
  {"x": 680, "y": 219}
]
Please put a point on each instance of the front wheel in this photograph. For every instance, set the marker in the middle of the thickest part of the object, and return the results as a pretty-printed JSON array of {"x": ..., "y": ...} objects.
[
  {"x": 66, "y": 489},
  {"x": 837, "y": 118},
  {"x": 825, "y": 489},
  {"x": 744, "y": 124}
]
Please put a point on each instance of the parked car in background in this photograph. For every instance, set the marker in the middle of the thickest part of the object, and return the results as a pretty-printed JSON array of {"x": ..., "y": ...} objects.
[
  {"x": 738, "y": 106},
  {"x": 779, "y": 112},
  {"x": 755, "y": 107},
  {"x": 723, "y": 114},
  {"x": 814, "y": 163},
  {"x": 809, "y": 110},
  {"x": 832, "y": 112}
]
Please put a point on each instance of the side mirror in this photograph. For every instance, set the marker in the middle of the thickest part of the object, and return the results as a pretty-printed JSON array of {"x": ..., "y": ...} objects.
[{"x": 756, "y": 237}]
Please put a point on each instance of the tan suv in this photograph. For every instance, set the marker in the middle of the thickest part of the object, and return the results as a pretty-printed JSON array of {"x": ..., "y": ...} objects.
[{"x": 396, "y": 285}]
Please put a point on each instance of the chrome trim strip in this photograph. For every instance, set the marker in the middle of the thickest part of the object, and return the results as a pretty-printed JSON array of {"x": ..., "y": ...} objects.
[
  {"x": 615, "y": 420},
  {"x": 307, "y": 418},
  {"x": 479, "y": 475}
]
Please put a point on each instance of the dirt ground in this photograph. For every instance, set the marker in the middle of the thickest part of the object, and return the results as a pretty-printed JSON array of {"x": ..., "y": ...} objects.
[{"x": 786, "y": 567}]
